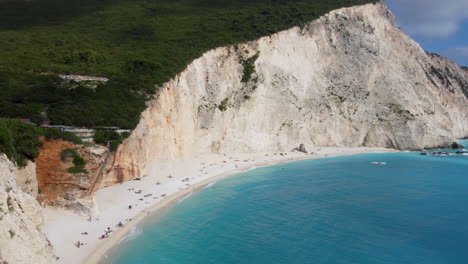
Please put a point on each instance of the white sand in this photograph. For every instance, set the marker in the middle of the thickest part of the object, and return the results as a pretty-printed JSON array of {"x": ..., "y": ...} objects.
[{"x": 64, "y": 228}]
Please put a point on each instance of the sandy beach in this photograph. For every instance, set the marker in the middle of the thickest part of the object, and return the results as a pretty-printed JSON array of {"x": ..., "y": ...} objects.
[{"x": 161, "y": 189}]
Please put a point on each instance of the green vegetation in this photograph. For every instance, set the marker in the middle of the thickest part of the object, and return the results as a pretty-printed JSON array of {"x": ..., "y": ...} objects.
[
  {"x": 68, "y": 153},
  {"x": 78, "y": 169},
  {"x": 19, "y": 141},
  {"x": 41, "y": 97},
  {"x": 104, "y": 136},
  {"x": 114, "y": 139},
  {"x": 54, "y": 134},
  {"x": 249, "y": 68},
  {"x": 78, "y": 161},
  {"x": 137, "y": 44},
  {"x": 224, "y": 105}
]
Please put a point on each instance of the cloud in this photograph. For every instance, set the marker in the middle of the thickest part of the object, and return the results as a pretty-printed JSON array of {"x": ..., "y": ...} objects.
[
  {"x": 430, "y": 18},
  {"x": 458, "y": 54},
  {"x": 461, "y": 51}
]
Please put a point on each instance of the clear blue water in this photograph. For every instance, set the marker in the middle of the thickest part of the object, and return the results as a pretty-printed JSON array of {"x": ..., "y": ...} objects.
[{"x": 332, "y": 210}]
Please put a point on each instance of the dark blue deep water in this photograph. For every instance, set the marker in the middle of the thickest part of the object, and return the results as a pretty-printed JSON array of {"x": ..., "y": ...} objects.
[{"x": 331, "y": 210}]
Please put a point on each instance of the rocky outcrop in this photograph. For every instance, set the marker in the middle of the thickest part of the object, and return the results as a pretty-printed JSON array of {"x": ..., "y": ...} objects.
[
  {"x": 448, "y": 74},
  {"x": 465, "y": 69},
  {"x": 456, "y": 145},
  {"x": 21, "y": 220},
  {"x": 301, "y": 148},
  {"x": 26, "y": 179},
  {"x": 350, "y": 78},
  {"x": 59, "y": 187}
]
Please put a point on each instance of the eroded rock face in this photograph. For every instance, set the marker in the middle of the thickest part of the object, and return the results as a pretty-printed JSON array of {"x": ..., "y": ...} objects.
[
  {"x": 58, "y": 187},
  {"x": 350, "y": 78},
  {"x": 21, "y": 220},
  {"x": 26, "y": 179}
]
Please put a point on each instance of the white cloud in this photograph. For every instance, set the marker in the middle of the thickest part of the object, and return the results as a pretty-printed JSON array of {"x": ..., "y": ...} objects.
[
  {"x": 460, "y": 51},
  {"x": 458, "y": 54},
  {"x": 430, "y": 18}
]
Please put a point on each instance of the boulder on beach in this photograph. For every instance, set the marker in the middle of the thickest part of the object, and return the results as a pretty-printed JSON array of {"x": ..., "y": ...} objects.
[{"x": 302, "y": 148}]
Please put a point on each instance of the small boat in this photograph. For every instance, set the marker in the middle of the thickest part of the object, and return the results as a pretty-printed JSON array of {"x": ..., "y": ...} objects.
[{"x": 378, "y": 163}]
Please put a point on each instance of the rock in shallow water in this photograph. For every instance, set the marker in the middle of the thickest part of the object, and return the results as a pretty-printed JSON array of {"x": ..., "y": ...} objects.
[{"x": 456, "y": 145}]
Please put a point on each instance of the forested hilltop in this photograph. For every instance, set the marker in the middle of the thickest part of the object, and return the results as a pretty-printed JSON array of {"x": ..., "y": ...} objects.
[{"x": 136, "y": 44}]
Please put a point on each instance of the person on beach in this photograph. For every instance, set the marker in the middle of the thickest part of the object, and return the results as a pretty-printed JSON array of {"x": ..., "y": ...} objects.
[
  {"x": 129, "y": 207},
  {"x": 78, "y": 244}
]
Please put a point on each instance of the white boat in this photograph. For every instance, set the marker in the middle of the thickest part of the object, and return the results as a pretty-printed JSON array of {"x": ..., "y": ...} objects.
[{"x": 378, "y": 163}]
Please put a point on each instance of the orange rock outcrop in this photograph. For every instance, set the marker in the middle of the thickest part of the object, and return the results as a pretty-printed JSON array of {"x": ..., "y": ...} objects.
[{"x": 55, "y": 183}]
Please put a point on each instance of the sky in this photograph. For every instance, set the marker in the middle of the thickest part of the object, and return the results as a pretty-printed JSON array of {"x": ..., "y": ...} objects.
[{"x": 440, "y": 26}]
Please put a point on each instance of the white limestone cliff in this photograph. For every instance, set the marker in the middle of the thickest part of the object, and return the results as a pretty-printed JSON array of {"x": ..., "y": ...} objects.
[
  {"x": 26, "y": 179},
  {"x": 350, "y": 78},
  {"x": 21, "y": 220}
]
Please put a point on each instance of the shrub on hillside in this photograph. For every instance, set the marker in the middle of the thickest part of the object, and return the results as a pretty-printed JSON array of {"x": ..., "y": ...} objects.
[
  {"x": 78, "y": 161},
  {"x": 19, "y": 141},
  {"x": 54, "y": 134},
  {"x": 125, "y": 135},
  {"x": 103, "y": 136},
  {"x": 78, "y": 169},
  {"x": 68, "y": 153},
  {"x": 114, "y": 145},
  {"x": 249, "y": 67},
  {"x": 112, "y": 138}
]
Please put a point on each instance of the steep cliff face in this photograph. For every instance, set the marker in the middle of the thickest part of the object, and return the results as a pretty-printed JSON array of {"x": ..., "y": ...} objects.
[
  {"x": 350, "y": 78},
  {"x": 58, "y": 186},
  {"x": 21, "y": 237},
  {"x": 26, "y": 179},
  {"x": 448, "y": 74}
]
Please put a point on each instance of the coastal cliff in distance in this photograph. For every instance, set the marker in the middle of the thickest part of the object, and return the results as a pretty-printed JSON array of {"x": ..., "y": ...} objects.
[
  {"x": 350, "y": 78},
  {"x": 21, "y": 237}
]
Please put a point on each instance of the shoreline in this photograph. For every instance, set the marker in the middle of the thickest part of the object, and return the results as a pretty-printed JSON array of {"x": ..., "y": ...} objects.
[
  {"x": 161, "y": 207},
  {"x": 95, "y": 251}
]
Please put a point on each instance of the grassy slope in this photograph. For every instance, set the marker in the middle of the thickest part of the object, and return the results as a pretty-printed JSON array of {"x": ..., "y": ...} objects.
[{"x": 136, "y": 43}]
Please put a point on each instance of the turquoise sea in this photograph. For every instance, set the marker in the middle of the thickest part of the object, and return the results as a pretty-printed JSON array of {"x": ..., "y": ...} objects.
[{"x": 412, "y": 210}]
